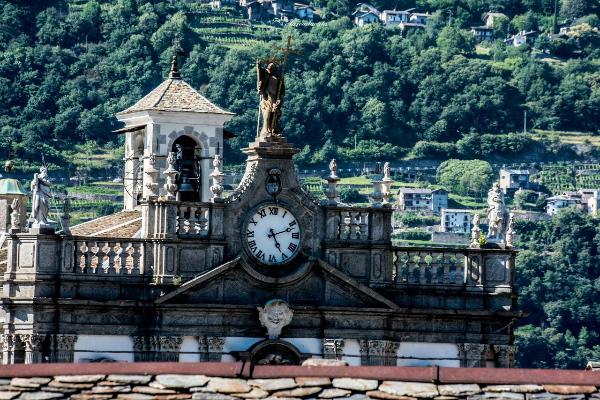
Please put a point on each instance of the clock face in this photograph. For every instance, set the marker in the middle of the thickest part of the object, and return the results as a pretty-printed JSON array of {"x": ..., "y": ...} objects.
[{"x": 272, "y": 235}]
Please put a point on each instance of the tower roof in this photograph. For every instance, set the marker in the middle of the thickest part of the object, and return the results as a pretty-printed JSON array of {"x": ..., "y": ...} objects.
[
  {"x": 9, "y": 186},
  {"x": 175, "y": 94}
]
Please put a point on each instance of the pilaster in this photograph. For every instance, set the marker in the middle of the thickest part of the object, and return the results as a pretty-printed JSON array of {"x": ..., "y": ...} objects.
[
  {"x": 333, "y": 348},
  {"x": 473, "y": 355},
  {"x": 215, "y": 347},
  {"x": 505, "y": 355},
  {"x": 63, "y": 348},
  {"x": 33, "y": 347}
]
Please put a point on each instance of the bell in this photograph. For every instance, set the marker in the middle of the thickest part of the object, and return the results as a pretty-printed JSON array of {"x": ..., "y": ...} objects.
[{"x": 185, "y": 185}]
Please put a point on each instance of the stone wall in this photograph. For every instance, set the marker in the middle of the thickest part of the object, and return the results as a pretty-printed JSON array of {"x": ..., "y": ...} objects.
[{"x": 236, "y": 381}]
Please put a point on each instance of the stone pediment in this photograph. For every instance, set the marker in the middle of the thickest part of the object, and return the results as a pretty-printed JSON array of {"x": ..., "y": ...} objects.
[{"x": 316, "y": 284}]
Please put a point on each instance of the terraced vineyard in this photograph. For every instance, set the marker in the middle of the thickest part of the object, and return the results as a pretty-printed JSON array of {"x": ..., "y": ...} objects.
[{"x": 560, "y": 178}]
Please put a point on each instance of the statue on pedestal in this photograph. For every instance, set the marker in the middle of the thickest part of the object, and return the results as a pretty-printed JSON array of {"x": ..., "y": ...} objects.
[
  {"x": 40, "y": 187},
  {"x": 270, "y": 86},
  {"x": 496, "y": 213}
]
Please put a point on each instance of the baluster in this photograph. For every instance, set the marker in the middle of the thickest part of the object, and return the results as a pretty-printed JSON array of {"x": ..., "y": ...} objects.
[
  {"x": 447, "y": 264},
  {"x": 203, "y": 221},
  {"x": 362, "y": 226},
  {"x": 347, "y": 225},
  {"x": 181, "y": 221},
  {"x": 415, "y": 269},
  {"x": 439, "y": 269},
  {"x": 111, "y": 255},
  {"x": 127, "y": 260},
  {"x": 460, "y": 268},
  {"x": 339, "y": 222},
  {"x": 428, "y": 269},
  {"x": 194, "y": 227},
  {"x": 79, "y": 258},
  {"x": 89, "y": 258},
  {"x": 353, "y": 226},
  {"x": 122, "y": 259},
  {"x": 99, "y": 259},
  {"x": 136, "y": 256}
]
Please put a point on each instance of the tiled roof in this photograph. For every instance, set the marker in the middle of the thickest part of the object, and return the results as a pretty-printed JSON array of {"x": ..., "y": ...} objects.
[
  {"x": 124, "y": 224},
  {"x": 175, "y": 95}
]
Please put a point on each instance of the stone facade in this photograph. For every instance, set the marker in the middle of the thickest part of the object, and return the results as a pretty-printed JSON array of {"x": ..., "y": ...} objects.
[{"x": 188, "y": 284}]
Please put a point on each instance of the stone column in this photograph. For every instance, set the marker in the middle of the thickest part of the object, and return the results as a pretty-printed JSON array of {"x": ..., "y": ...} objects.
[
  {"x": 33, "y": 347},
  {"x": 473, "y": 355},
  {"x": 378, "y": 352},
  {"x": 63, "y": 348},
  {"x": 169, "y": 348},
  {"x": 333, "y": 348},
  {"x": 505, "y": 355},
  {"x": 215, "y": 347}
]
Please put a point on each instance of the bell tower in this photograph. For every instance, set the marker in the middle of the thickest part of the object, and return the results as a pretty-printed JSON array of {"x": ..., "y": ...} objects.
[{"x": 173, "y": 117}]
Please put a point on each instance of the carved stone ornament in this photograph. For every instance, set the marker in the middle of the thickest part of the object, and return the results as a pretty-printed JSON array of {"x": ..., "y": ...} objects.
[
  {"x": 475, "y": 233},
  {"x": 217, "y": 179},
  {"x": 15, "y": 216},
  {"x": 171, "y": 173},
  {"x": 275, "y": 316},
  {"x": 273, "y": 184}
]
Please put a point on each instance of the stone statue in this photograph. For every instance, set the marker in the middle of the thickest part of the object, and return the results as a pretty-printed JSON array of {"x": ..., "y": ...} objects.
[
  {"x": 270, "y": 86},
  {"x": 387, "y": 170},
  {"x": 510, "y": 231},
  {"x": 40, "y": 187},
  {"x": 475, "y": 233},
  {"x": 15, "y": 216},
  {"x": 333, "y": 168},
  {"x": 496, "y": 212},
  {"x": 65, "y": 218},
  {"x": 274, "y": 316}
]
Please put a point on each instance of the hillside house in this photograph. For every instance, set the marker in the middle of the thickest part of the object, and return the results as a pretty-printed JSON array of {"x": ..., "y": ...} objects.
[
  {"x": 521, "y": 38},
  {"x": 362, "y": 19},
  {"x": 419, "y": 18},
  {"x": 593, "y": 202},
  {"x": 422, "y": 200},
  {"x": 490, "y": 17},
  {"x": 391, "y": 18},
  {"x": 556, "y": 203},
  {"x": 456, "y": 220},
  {"x": 513, "y": 179},
  {"x": 303, "y": 11},
  {"x": 482, "y": 33}
]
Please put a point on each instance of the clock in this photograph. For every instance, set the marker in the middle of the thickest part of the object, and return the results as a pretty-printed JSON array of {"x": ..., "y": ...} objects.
[{"x": 272, "y": 235}]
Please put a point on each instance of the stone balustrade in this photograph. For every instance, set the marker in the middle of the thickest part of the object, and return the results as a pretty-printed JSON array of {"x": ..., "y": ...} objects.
[
  {"x": 452, "y": 266},
  {"x": 104, "y": 256},
  {"x": 192, "y": 220},
  {"x": 358, "y": 224}
]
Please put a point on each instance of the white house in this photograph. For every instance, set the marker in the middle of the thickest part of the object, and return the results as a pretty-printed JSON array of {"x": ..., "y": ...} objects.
[
  {"x": 303, "y": 11},
  {"x": 425, "y": 200},
  {"x": 392, "y": 18},
  {"x": 367, "y": 18},
  {"x": 521, "y": 38},
  {"x": 593, "y": 202},
  {"x": 556, "y": 203},
  {"x": 456, "y": 220}
]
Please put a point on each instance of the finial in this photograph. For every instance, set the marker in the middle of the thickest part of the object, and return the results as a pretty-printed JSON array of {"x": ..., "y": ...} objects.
[{"x": 174, "y": 71}]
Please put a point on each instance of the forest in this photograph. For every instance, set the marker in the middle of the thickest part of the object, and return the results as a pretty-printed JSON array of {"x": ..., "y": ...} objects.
[{"x": 354, "y": 93}]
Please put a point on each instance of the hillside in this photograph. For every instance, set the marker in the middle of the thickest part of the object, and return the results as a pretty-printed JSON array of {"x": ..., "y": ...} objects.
[{"x": 354, "y": 93}]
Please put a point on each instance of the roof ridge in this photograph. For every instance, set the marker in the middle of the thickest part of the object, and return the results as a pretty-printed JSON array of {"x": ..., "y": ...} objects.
[{"x": 170, "y": 80}]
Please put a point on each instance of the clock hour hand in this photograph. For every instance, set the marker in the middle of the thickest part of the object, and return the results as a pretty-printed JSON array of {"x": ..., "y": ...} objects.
[
  {"x": 283, "y": 231},
  {"x": 272, "y": 234}
]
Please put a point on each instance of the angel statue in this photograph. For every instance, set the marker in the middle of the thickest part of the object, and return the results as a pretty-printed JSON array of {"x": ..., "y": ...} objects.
[
  {"x": 40, "y": 188},
  {"x": 271, "y": 88}
]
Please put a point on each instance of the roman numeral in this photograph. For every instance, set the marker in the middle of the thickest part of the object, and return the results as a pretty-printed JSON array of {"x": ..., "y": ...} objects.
[
  {"x": 252, "y": 245},
  {"x": 295, "y": 235},
  {"x": 250, "y": 234},
  {"x": 292, "y": 247},
  {"x": 262, "y": 213},
  {"x": 272, "y": 258},
  {"x": 293, "y": 223},
  {"x": 273, "y": 210},
  {"x": 283, "y": 216},
  {"x": 252, "y": 221},
  {"x": 260, "y": 254},
  {"x": 283, "y": 257}
]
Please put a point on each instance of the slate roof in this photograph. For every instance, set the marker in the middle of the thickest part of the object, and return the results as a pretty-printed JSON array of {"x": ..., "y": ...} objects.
[{"x": 175, "y": 95}]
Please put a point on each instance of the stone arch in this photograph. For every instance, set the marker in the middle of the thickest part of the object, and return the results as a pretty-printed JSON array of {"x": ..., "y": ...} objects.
[
  {"x": 274, "y": 352},
  {"x": 188, "y": 154}
]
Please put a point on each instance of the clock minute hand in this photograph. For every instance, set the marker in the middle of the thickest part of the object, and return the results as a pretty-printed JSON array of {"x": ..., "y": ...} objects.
[{"x": 283, "y": 231}]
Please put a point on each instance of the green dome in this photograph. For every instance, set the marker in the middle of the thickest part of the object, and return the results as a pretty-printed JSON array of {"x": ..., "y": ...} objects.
[{"x": 11, "y": 186}]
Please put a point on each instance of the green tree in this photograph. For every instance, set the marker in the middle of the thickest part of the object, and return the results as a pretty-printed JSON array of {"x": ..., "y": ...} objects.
[{"x": 466, "y": 177}]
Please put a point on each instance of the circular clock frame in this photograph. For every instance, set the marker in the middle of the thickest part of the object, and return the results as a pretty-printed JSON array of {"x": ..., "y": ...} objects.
[{"x": 281, "y": 210}]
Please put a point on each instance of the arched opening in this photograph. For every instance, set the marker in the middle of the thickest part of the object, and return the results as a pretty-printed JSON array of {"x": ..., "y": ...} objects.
[
  {"x": 187, "y": 155},
  {"x": 273, "y": 352}
]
